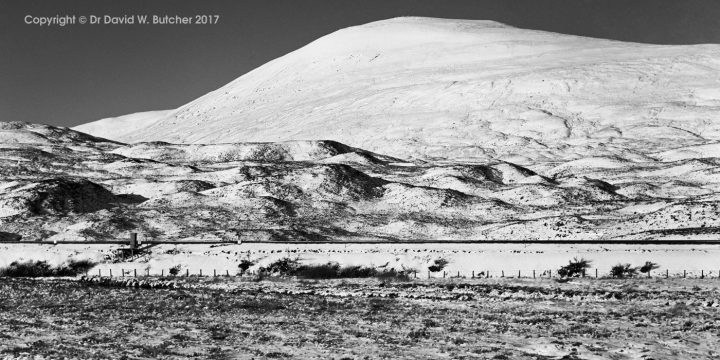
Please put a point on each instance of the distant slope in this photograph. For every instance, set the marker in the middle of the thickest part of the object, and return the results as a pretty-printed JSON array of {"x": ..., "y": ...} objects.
[
  {"x": 458, "y": 89},
  {"x": 59, "y": 184},
  {"x": 116, "y": 128}
]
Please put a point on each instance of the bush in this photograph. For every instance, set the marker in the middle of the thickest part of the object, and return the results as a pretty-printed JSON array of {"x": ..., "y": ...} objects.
[
  {"x": 623, "y": 270},
  {"x": 27, "y": 269},
  {"x": 356, "y": 272},
  {"x": 43, "y": 269},
  {"x": 438, "y": 265},
  {"x": 403, "y": 275},
  {"x": 244, "y": 265},
  {"x": 76, "y": 267},
  {"x": 576, "y": 267},
  {"x": 324, "y": 271},
  {"x": 175, "y": 270},
  {"x": 649, "y": 266},
  {"x": 330, "y": 270},
  {"x": 284, "y": 266}
]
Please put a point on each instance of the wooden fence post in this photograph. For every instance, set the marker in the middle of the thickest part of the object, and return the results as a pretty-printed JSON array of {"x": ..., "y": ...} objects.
[
  {"x": 473, "y": 274},
  {"x": 684, "y": 274},
  {"x": 227, "y": 273},
  {"x": 702, "y": 274},
  {"x": 135, "y": 272},
  {"x": 200, "y": 272},
  {"x": 214, "y": 273},
  {"x": 122, "y": 272},
  {"x": 667, "y": 273},
  {"x": 533, "y": 274},
  {"x": 187, "y": 272},
  {"x": 502, "y": 273},
  {"x": 100, "y": 272},
  {"x": 110, "y": 272},
  {"x": 444, "y": 274}
]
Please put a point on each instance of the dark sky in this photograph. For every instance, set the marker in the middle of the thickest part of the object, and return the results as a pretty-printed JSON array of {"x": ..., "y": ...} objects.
[{"x": 79, "y": 73}]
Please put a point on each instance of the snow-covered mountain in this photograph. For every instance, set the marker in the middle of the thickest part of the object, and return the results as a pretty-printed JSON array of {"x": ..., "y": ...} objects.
[
  {"x": 461, "y": 89},
  {"x": 405, "y": 129}
]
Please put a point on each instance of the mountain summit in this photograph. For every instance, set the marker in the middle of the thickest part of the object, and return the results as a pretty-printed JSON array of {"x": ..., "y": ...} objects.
[{"x": 460, "y": 89}]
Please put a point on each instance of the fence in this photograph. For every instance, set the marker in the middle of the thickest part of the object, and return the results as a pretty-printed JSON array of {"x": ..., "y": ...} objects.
[{"x": 483, "y": 274}]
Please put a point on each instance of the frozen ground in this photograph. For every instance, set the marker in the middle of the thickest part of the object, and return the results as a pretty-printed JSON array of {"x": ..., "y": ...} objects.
[
  {"x": 363, "y": 319},
  {"x": 465, "y": 259}
]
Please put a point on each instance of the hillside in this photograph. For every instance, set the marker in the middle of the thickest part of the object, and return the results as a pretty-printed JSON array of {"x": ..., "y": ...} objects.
[
  {"x": 462, "y": 90},
  {"x": 63, "y": 185},
  {"x": 404, "y": 129}
]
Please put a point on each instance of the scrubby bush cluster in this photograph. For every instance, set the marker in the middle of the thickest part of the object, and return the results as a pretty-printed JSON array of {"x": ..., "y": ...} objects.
[
  {"x": 43, "y": 269},
  {"x": 284, "y": 266},
  {"x": 244, "y": 265},
  {"x": 175, "y": 270},
  {"x": 576, "y": 267},
  {"x": 623, "y": 270},
  {"x": 330, "y": 270},
  {"x": 627, "y": 270},
  {"x": 648, "y": 266},
  {"x": 438, "y": 265}
]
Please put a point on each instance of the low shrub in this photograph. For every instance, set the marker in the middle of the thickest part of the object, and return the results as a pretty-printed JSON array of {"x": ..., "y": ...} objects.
[
  {"x": 244, "y": 265},
  {"x": 284, "y": 266},
  {"x": 623, "y": 270},
  {"x": 392, "y": 274},
  {"x": 323, "y": 271},
  {"x": 356, "y": 272},
  {"x": 330, "y": 270},
  {"x": 27, "y": 269},
  {"x": 649, "y": 266},
  {"x": 175, "y": 270},
  {"x": 43, "y": 269},
  {"x": 76, "y": 267},
  {"x": 438, "y": 265},
  {"x": 575, "y": 268}
]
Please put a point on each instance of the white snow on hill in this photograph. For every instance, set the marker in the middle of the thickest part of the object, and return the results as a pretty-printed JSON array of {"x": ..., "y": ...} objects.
[
  {"x": 462, "y": 90},
  {"x": 118, "y": 127},
  {"x": 404, "y": 129}
]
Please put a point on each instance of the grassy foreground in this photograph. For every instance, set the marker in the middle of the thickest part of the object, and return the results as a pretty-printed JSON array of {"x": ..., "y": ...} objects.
[{"x": 362, "y": 319}]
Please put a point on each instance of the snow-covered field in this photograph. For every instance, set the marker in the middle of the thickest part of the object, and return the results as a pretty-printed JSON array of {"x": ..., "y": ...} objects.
[{"x": 463, "y": 258}]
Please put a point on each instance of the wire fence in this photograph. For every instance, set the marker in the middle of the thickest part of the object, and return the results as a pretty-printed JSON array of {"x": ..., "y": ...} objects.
[{"x": 481, "y": 274}]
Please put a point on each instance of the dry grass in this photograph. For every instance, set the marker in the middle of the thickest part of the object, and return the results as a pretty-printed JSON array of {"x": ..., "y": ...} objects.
[{"x": 359, "y": 319}]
